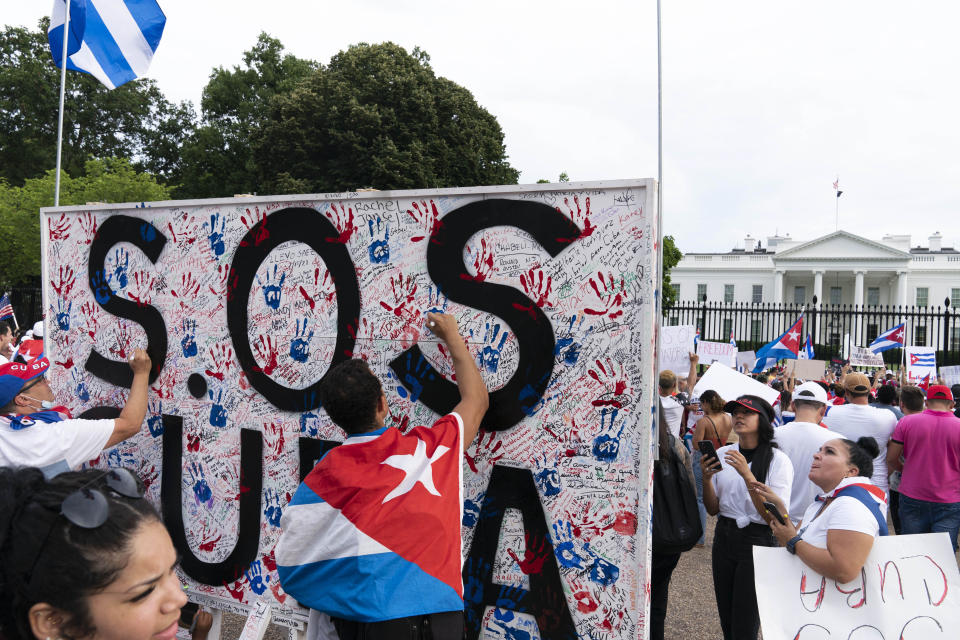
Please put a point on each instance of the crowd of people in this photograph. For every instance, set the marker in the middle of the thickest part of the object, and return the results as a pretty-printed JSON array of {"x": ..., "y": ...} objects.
[{"x": 818, "y": 474}]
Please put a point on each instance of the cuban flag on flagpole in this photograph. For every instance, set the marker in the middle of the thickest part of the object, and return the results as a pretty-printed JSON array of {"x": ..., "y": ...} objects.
[
  {"x": 112, "y": 40},
  {"x": 786, "y": 346},
  {"x": 696, "y": 339},
  {"x": 890, "y": 339},
  {"x": 807, "y": 352},
  {"x": 733, "y": 343}
]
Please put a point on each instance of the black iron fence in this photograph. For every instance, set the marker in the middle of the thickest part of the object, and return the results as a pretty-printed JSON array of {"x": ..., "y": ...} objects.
[
  {"x": 27, "y": 305},
  {"x": 754, "y": 324}
]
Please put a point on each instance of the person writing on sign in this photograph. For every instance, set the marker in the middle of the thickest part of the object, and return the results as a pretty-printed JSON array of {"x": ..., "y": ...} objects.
[
  {"x": 34, "y": 432},
  {"x": 743, "y": 520},
  {"x": 84, "y": 556},
  {"x": 836, "y": 532}
]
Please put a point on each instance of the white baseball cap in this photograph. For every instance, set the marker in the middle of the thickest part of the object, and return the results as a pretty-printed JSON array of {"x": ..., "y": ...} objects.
[
  {"x": 810, "y": 391},
  {"x": 38, "y": 329}
]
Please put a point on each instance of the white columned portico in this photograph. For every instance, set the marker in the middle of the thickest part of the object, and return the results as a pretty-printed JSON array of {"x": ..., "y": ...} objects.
[
  {"x": 778, "y": 286},
  {"x": 818, "y": 286},
  {"x": 902, "y": 288}
]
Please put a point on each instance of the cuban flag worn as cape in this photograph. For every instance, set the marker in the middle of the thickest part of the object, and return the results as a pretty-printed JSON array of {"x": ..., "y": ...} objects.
[
  {"x": 786, "y": 346},
  {"x": 889, "y": 339},
  {"x": 373, "y": 532}
]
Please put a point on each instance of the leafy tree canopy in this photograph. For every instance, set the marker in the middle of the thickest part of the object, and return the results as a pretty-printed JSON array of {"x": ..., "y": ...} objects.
[
  {"x": 671, "y": 256},
  {"x": 109, "y": 180},
  {"x": 378, "y": 117}
]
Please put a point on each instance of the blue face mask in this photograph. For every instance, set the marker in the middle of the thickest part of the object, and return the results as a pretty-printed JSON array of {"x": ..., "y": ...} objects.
[{"x": 45, "y": 404}]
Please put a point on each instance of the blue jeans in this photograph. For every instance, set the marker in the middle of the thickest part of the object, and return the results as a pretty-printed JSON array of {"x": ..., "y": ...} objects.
[
  {"x": 920, "y": 516},
  {"x": 698, "y": 477}
]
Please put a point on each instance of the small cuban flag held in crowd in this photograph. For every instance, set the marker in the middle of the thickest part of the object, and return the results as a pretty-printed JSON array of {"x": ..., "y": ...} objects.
[
  {"x": 112, "y": 40},
  {"x": 786, "y": 346},
  {"x": 807, "y": 352},
  {"x": 733, "y": 343},
  {"x": 890, "y": 339}
]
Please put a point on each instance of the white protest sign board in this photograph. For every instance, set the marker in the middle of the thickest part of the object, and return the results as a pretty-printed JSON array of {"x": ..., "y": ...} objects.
[
  {"x": 746, "y": 359},
  {"x": 863, "y": 357},
  {"x": 806, "y": 369},
  {"x": 730, "y": 384},
  {"x": 950, "y": 375},
  {"x": 710, "y": 352},
  {"x": 909, "y": 589},
  {"x": 921, "y": 362},
  {"x": 676, "y": 345}
]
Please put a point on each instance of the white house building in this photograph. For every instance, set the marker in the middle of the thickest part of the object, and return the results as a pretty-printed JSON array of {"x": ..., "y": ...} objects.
[{"x": 838, "y": 268}]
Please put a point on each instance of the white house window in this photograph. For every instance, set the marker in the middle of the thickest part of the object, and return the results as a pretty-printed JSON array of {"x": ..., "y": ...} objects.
[
  {"x": 799, "y": 295},
  {"x": 835, "y": 295},
  {"x": 873, "y": 297},
  {"x": 922, "y": 294},
  {"x": 701, "y": 292},
  {"x": 954, "y": 338},
  {"x": 728, "y": 293},
  {"x": 757, "y": 293},
  {"x": 955, "y": 297}
]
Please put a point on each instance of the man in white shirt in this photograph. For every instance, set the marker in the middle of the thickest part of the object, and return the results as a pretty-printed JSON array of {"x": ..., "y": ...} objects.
[
  {"x": 35, "y": 432},
  {"x": 857, "y": 419},
  {"x": 667, "y": 388},
  {"x": 802, "y": 438}
]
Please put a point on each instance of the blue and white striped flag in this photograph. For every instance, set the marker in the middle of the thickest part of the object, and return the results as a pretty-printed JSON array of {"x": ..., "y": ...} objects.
[
  {"x": 112, "y": 40},
  {"x": 6, "y": 309}
]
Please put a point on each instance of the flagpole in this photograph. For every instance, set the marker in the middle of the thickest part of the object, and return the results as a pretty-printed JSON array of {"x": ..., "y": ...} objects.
[{"x": 63, "y": 90}]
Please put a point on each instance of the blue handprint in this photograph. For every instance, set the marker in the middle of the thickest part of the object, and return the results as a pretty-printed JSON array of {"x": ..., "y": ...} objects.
[
  {"x": 419, "y": 372},
  {"x": 201, "y": 490},
  {"x": 255, "y": 577},
  {"x": 63, "y": 314},
  {"x": 118, "y": 458},
  {"x": 300, "y": 345},
  {"x": 437, "y": 300},
  {"x": 566, "y": 554},
  {"x": 189, "y": 342},
  {"x": 379, "y": 250},
  {"x": 155, "y": 419},
  {"x": 100, "y": 285},
  {"x": 606, "y": 447},
  {"x": 218, "y": 414},
  {"x": 567, "y": 350},
  {"x": 478, "y": 571},
  {"x": 273, "y": 511},
  {"x": 121, "y": 264},
  {"x": 489, "y": 357},
  {"x": 509, "y": 633},
  {"x": 549, "y": 482},
  {"x": 217, "y": 227},
  {"x": 147, "y": 231},
  {"x": 510, "y": 598},
  {"x": 602, "y": 572},
  {"x": 272, "y": 289},
  {"x": 471, "y": 511},
  {"x": 309, "y": 424},
  {"x": 531, "y": 400},
  {"x": 80, "y": 386}
]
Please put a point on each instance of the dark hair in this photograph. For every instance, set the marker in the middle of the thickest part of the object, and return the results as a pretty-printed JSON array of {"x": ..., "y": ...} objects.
[
  {"x": 711, "y": 400},
  {"x": 349, "y": 394},
  {"x": 861, "y": 454},
  {"x": 4, "y": 327},
  {"x": 887, "y": 394},
  {"x": 45, "y": 558},
  {"x": 763, "y": 455},
  {"x": 912, "y": 398}
]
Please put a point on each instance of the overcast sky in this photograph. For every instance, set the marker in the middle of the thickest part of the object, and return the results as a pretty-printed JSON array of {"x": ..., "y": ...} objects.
[{"x": 765, "y": 103}]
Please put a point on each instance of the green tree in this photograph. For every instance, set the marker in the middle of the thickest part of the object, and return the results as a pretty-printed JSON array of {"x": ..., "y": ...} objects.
[
  {"x": 132, "y": 121},
  {"x": 218, "y": 158},
  {"x": 378, "y": 117},
  {"x": 109, "y": 180},
  {"x": 671, "y": 256}
]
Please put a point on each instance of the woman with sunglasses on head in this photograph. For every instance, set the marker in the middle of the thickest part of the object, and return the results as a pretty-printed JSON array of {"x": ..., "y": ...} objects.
[
  {"x": 837, "y": 531},
  {"x": 742, "y": 521},
  {"x": 83, "y": 555}
]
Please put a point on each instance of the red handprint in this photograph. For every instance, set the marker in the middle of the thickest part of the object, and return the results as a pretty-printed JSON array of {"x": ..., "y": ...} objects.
[
  {"x": 255, "y": 220},
  {"x": 322, "y": 290},
  {"x": 266, "y": 352},
  {"x": 188, "y": 289},
  {"x": 236, "y": 591},
  {"x": 222, "y": 357},
  {"x": 142, "y": 285},
  {"x": 121, "y": 337},
  {"x": 276, "y": 443},
  {"x": 483, "y": 451},
  {"x": 611, "y": 294},
  {"x": 613, "y": 378},
  {"x": 66, "y": 364},
  {"x": 66, "y": 281},
  {"x": 59, "y": 229},
  {"x": 90, "y": 311},
  {"x": 223, "y": 272},
  {"x": 164, "y": 386},
  {"x": 403, "y": 293},
  {"x": 482, "y": 262},
  {"x": 428, "y": 218},
  {"x": 343, "y": 219},
  {"x": 183, "y": 229},
  {"x": 534, "y": 553},
  {"x": 362, "y": 335},
  {"x": 193, "y": 442},
  {"x": 537, "y": 287},
  {"x": 588, "y": 228},
  {"x": 88, "y": 222}
]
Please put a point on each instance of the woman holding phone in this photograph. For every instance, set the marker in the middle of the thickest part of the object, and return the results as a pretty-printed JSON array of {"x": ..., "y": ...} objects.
[
  {"x": 837, "y": 531},
  {"x": 742, "y": 522}
]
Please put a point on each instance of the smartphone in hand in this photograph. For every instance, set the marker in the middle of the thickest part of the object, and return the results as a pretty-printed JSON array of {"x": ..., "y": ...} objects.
[
  {"x": 772, "y": 510},
  {"x": 707, "y": 450}
]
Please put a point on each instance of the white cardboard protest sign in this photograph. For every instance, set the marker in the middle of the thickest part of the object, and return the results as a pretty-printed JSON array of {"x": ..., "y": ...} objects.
[
  {"x": 921, "y": 361},
  {"x": 746, "y": 359},
  {"x": 676, "y": 345},
  {"x": 909, "y": 589},
  {"x": 806, "y": 369},
  {"x": 710, "y": 352},
  {"x": 950, "y": 375},
  {"x": 863, "y": 357},
  {"x": 731, "y": 384}
]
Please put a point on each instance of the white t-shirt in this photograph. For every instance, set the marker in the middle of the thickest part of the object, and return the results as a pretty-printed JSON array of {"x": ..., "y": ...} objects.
[
  {"x": 854, "y": 421},
  {"x": 845, "y": 512},
  {"x": 800, "y": 440},
  {"x": 732, "y": 492},
  {"x": 54, "y": 447},
  {"x": 674, "y": 412}
]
